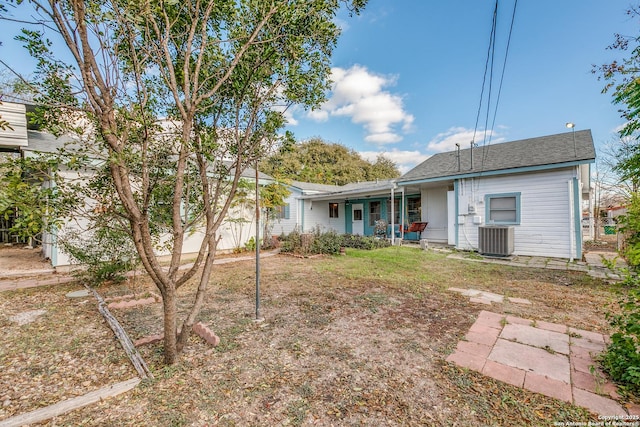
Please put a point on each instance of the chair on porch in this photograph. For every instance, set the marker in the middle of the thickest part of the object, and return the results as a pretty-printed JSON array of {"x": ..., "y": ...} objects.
[{"x": 415, "y": 227}]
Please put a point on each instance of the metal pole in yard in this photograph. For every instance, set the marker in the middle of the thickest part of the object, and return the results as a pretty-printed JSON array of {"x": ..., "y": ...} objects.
[{"x": 257, "y": 246}]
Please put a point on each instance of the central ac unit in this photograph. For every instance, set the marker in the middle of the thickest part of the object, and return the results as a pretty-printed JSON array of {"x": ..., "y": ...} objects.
[{"x": 495, "y": 240}]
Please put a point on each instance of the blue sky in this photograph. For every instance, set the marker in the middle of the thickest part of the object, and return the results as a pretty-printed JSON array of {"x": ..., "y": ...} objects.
[{"x": 408, "y": 75}]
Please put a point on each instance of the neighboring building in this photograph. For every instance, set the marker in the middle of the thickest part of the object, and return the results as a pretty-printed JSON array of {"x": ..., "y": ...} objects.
[{"x": 23, "y": 141}]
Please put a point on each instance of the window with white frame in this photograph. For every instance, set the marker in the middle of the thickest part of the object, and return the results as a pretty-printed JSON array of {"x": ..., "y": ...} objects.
[{"x": 502, "y": 208}]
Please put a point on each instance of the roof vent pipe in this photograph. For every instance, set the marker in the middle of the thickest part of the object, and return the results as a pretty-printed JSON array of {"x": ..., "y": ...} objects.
[
  {"x": 471, "y": 152},
  {"x": 458, "y": 155}
]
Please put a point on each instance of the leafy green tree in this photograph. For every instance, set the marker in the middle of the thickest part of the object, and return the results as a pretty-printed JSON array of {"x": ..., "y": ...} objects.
[
  {"x": 623, "y": 80},
  {"x": 631, "y": 228},
  {"x": 383, "y": 168},
  {"x": 176, "y": 100},
  {"x": 321, "y": 162},
  {"x": 27, "y": 196},
  {"x": 621, "y": 358}
]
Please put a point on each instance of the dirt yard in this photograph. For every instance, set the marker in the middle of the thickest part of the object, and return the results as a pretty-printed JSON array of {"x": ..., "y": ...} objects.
[
  {"x": 18, "y": 258},
  {"x": 353, "y": 340}
]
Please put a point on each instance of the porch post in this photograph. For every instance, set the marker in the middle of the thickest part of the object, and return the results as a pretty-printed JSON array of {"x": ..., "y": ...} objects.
[
  {"x": 402, "y": 209},
  {"x": 393, "y": 217}
]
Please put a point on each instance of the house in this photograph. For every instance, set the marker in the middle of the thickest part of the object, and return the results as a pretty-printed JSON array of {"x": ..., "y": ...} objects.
[
  {"x": 526, "y": 195},
  {"x": 537, "y": 186},
  {"x": 534, "y": 188}
]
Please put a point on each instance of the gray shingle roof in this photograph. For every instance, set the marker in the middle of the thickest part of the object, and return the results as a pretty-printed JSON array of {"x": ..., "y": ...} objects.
[
  {"x": 320, "y": 191},
  {"x": 526, "y": 153},
  {"x": 314, "y": 188}
]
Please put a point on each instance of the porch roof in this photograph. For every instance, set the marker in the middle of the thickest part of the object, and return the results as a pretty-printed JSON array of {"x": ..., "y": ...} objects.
[
  {"x": 353, "y": 190},
  {"x": 540, "y": 153}
]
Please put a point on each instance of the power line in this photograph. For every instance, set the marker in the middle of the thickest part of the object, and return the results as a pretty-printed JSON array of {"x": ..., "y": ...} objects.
[
  {"x": 492, "y": 39},
  {"x": 504, "y": 66}
]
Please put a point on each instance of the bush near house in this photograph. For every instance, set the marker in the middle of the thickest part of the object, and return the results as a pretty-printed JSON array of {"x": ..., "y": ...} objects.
[
  {"x": 622, "y": 357},
  {"x": 621, "y": 360},
  {"x": 328, "y": 242}
]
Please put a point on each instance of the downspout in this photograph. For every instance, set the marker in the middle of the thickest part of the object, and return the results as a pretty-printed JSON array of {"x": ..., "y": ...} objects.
[
  {"x": 402, "y": 209},
  {"x": 456, "y": 189},
  {"x": 577, "y": 217},
  {"x": 571, "y": 222}
]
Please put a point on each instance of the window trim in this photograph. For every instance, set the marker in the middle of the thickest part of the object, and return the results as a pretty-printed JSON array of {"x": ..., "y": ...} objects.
[{"x": 487, "y": 204}]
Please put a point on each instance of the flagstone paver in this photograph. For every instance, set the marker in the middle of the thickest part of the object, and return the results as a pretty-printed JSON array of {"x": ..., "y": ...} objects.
[
  {"x": 542, "y": 338},
  {"x": 531, "y": 359},
  {"x": 467, "y": 360},
  {"x": 551, "y": 326},
  {"x": 507, "y": 374},
  {"x": 548, "y": 386},
  {"x": 542, "y": 357},
  {"x": 598, "y": 404},
  {"x": 474, "y": 348}
]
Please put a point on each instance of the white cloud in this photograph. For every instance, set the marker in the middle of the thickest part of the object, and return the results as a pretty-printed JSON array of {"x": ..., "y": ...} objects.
[
  {"x": 288, "y": 115},
  {"x": 383, "y": 138},
  {"x": 404, "y": 159},
  {"x": 318, "y": 115},
  {"x": 359, "y": 94},
  {"x": 446, "y": 141}
]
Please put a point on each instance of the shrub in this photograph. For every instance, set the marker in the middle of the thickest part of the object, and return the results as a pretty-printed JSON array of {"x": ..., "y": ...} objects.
[
  {"x": 621, "y": 359},
  {"x": 363, "y": 242},
  {"x": 291, "y": 242},
  {"x": 106, "y": 253},
  {"x": 631, "y": 228},
  {"x": 328, "y": 242}
]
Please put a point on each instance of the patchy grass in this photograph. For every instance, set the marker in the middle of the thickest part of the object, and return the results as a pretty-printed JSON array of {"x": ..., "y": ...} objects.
[{"x": 347, "y": 340}]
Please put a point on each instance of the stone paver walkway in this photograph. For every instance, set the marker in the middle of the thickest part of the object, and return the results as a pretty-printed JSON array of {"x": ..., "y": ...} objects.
[
  {"x": 485, "y": 297},
  {"x": 543, "y": 357},
  {"x": 593, "y": 265},
  {"x": 32, "y": 278}
]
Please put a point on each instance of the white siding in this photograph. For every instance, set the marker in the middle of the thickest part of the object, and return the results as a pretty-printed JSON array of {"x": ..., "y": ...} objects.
[
  {"x": 545, "y": 221},
  {"x": 316, "y": 214},
  {"x": 15, "y": 115},
  {"x": 284, "y": 225},
  {"x": 230, "y": 238}
]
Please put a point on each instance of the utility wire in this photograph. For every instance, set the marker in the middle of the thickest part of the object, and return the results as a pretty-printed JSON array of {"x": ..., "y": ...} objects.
[
  {"x": 492, "y": 45},
  {"x": 504, "y": 66},
  {"x": 486, "y": 66}
]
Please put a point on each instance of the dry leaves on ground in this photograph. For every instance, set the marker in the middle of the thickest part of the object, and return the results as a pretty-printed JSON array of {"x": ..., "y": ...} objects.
[{"x": 353, "y": 340}]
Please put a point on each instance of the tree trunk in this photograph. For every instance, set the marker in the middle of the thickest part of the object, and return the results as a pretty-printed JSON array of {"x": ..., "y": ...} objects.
[{"x": 170, "y": 322}]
